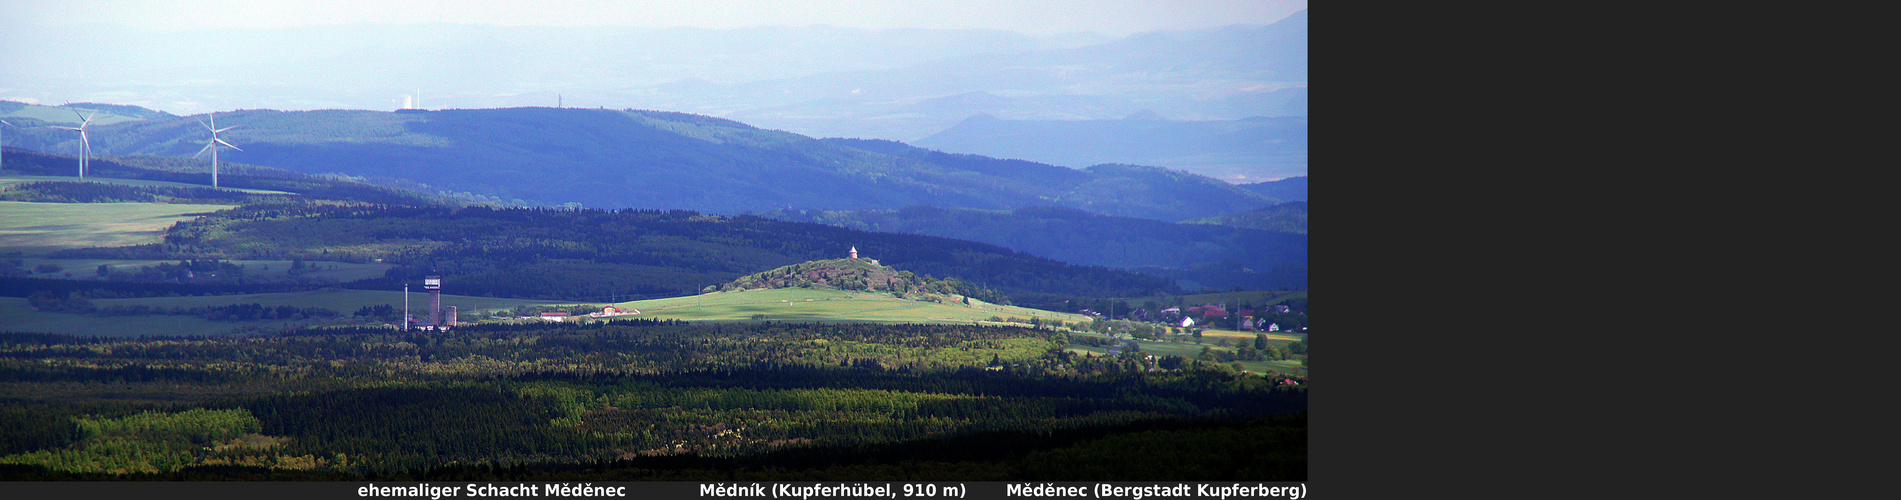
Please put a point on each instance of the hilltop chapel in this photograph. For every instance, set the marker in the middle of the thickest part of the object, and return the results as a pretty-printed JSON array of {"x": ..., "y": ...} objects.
[{"x": 854, "y": 256}]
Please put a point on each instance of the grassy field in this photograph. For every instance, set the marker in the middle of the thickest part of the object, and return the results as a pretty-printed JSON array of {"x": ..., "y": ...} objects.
[
  {"x": 802, "y": 304},
  {"x": 790, "y": 304},
  {"x": 9, "y": 180},
  {"x": 17, "y": 316},
  {"x": 39, "y": 227}
]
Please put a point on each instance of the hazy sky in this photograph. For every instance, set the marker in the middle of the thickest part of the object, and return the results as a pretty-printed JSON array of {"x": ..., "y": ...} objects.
[{"x": 1113, "y": 18}]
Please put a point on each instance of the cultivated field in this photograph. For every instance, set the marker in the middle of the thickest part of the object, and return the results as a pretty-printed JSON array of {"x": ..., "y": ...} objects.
[{"x": 39, "y": 227}]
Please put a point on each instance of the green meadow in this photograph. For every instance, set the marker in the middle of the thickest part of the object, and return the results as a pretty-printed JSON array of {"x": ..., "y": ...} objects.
[
  {"x": 39, "y": 227},
  {"x": 781, "y": 305}
]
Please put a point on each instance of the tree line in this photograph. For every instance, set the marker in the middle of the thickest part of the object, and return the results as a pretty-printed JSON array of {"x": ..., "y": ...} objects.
[
  {"x": 570, "y": 254},
  {"x": 559, "y": 398}
]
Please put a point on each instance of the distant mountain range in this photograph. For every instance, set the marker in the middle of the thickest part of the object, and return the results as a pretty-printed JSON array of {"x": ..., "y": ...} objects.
[
  {"x": 1246, "y": 150},
  {"x": 816, "y": 81},
  {"x": 1215, "y": 74},
  {"x": 652, "y": 159},
  {"x": 1291, "y": 188}
]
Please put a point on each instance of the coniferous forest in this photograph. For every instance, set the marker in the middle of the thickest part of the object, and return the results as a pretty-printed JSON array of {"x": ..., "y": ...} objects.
[
  {"x": 597, "y": 254},
  {"x": 635, "y": 400}
]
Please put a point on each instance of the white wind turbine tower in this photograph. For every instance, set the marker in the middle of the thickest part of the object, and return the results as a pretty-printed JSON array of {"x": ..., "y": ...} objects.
[
  {"x": 3, "y": 142},
  {"x": 85, "y": 145},
  {"x": 212, "y": 145}
]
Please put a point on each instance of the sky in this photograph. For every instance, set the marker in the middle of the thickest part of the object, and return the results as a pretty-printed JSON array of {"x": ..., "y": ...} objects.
[{"x": 1114, "y": 18}]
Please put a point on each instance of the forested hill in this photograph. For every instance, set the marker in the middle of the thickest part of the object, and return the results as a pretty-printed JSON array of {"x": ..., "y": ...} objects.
[
  {"x": 1291, "y": 188},
  {"x": 1108, "y": 189},
  {"x": 1252, "y": 258},
  {"x": 856, "y": 274},
  {"x": 652, "y": 160},
  {"x": 1288, "y": 217},
  {"x": 600, "y": 255},
  {"x": 105, "y": 173}
]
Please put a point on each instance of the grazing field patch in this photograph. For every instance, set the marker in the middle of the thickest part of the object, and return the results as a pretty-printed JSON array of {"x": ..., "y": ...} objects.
[{"x": 39, "y": 227}]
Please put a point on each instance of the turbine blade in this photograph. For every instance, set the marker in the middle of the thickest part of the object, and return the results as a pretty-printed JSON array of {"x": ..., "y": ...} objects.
[
  {"x": 220, "y": 131},
  {"x": 201, "y": 152},
  {"x": 226, "y": 144},
  {"x": 201, "y": 123},
  {"x": 90, "y": 115}
]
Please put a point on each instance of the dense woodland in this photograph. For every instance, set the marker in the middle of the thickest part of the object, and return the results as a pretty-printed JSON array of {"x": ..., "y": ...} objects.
[
  {"x": 189, "y": 171},
  {"x": 653, "y": 160},
  {"x": 1277, "y": 258},
  {"x": 635, "y": 400},
  {"x": 595, "y": 254},
  {"x": 1290, "y": 217},
  {"x": 94, "y": 192}
]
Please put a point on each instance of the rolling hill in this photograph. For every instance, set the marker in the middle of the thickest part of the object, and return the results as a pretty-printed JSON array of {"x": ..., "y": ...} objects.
[
  {"x": 1079, "y": 237},
  {"x": 1290, "y": 189},
  {"x": 1290, "y": 217},
  {"x": 149, "y": 178},
  {"x": 594, "y": 254},
  {"x": 653, "y": 160},
  {"x": 1250, "y": 149}
]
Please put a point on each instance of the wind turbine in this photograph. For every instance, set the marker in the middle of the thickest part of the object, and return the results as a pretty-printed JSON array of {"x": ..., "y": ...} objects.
[
  {"x": 85, "y": 145},
  {"x": 3, "y": 142},
  {"x": 212, "y": 145}
]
